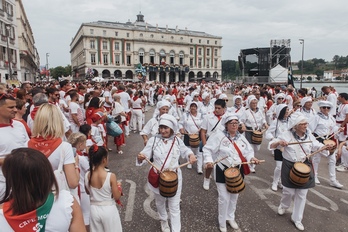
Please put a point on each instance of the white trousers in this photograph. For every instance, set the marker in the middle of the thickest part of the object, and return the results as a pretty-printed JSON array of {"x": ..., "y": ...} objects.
[
  {"x": 299, "y": 196},
  {"x": 136, "y": 119},
  {"x": 227, "y": 204},
  {"x": 332, "y": 165},
  {"x": 173, "y": 206},
  {"x": 85, "y": 204},
  {"x": 344, "y": 156},
  {"x": 277, "y": 172},
  {"x": 105, "y": 218}
]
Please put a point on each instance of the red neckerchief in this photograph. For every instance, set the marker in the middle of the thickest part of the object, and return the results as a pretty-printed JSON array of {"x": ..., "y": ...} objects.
[
  {"x": 246, "y": 169},
  {"x": 46, "y": 146},
  {"x": 81, "y": 94},
  {"x": 80, "y": 153},
  {"x": 135, "y": 98},
  {"x": 52, "y": 102},
  {"x": 119, "y": 91},
  {"x": 7, "y": 124},
  {"x": 218, "y": 116},
  {"x": 33, "y": 112}
]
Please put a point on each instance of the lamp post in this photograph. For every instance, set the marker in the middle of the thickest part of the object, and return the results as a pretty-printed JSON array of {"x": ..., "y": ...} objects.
[
  {"x": 47, "y": 55},
  {"x": 302, "y": 42},
  {"x": 9, "y": 57}
]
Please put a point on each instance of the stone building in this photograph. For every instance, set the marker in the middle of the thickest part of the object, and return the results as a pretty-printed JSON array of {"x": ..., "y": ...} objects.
[{"x": 115, "y": 50}]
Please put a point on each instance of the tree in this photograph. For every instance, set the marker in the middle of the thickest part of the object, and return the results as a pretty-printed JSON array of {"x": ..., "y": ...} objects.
[{"x": 335, "y": 60}]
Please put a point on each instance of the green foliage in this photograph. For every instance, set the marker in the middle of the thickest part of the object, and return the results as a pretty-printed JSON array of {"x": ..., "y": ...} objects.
[
  {"x": 230, "y": 69},
  {"x": 60, "y": 71}
]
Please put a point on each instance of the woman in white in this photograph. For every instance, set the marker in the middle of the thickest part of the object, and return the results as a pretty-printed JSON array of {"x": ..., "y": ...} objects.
[
  {"x": 277, "y": 127},
  {"x": 223, "y": 144},
  {"x": 191, "y": 124},
  {"x": 253, "y": 119},
  {"x": 324, "y": 126},
  {"x": 271, "y": 112},
  {"x": 118, "y": 111},
  {"x": 307, "y": 109},
  {"x": 296, "y": 153},
  {"x": 165, "y": 149},
  {"x": 137, "y": 113}
]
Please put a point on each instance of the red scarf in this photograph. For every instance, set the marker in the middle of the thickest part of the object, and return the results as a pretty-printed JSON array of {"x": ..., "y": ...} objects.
[
  {"x": 218, "y": 116},
  {"x": 7, "y": 124},
  {"x": 246, "y": 169},
  {"x": 46, "y": 146},
  {"x": 33, "y": 112},
  {"x": 80, "y": 153},
  {"x": 119, "y": 91},
  {"x": 135, "y": 98},
  {"x": 32, "y": 221}
]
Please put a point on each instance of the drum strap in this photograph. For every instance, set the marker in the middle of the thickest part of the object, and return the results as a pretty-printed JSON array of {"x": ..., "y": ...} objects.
[
  {"x": 168, "y": 154},
  {"x": 194, "y": 122},
  {"x": 246, "y": 169}
]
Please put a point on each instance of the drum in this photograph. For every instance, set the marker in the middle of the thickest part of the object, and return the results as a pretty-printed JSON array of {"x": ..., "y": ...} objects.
[
  {"x": 168, "y": 183},
  {"x": 194, "y": 140},
  {"x": 256, "y": 137},
  {"x": 330, "y": 142},
  {"x": 299, "y": 174},
  {"x": 234, "y": 180}
]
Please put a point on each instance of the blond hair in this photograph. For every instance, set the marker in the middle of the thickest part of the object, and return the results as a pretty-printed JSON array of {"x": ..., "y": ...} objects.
[
  {"x": 48, "y": 122},
  {"x": 76, "y": 138}
]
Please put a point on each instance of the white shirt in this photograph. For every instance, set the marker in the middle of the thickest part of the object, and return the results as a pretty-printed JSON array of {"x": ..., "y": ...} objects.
[
  {"x": 323, "y": 126},
  {"x": 192, "y": 124},
  {"x": 333, "y": 99}
]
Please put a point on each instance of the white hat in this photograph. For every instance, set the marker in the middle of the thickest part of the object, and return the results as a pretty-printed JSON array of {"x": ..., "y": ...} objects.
[
  {"x": 279, "y": 109},
  {"x": 296, "y": 118},
  {"x": 305, "y": 99},
  {"x": 217, "y": 92},
  {"x": 194, "y": 93},
  {"x": 169, "y": 121},
  {"x": 205, "y": 95},
  {"x": 279, "y": 95},
  {"x": 223, "y": 96},
  {"x": 249, "y": 99},
  {"x": 162, "y": 103},
  {"x": 226, "y": 118},
  {"x": 236, "y": 97},
  {"x": 324, "y": 103}
]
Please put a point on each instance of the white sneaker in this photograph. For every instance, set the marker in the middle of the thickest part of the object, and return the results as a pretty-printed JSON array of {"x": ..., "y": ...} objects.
[
  {"x": 233, "y": 224},
  {"x": 280, "y": 185},
  {"x": 341, "y": 168},
  {"x": 298, "y": 225},
  {"x": 336, "y": 184},
  {"x": 274, "y": 187},
  {"x": 199, "y": 171},
  {"x": 317, "y": 180},
  {"x": 206, "y": 183},
  {"x": 223, "y": 229},
  {"x": 189, "y": 166},
  {"x": 252, "y": 169},
  {"x": 281, "y": 210},
  {"x": 165, "y": 226}
]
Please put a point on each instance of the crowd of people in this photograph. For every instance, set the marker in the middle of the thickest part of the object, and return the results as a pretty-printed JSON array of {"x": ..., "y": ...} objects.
[{"x": 47, "y": 125}]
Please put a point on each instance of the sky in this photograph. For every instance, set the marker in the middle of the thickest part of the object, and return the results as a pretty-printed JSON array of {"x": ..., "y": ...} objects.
[{"x": 242, "y": 24}]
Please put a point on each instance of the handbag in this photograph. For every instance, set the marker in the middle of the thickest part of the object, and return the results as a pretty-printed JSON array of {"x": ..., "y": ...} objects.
[
  {"x": 60, "y": 175},
  {"x": 113, "y": 129}
]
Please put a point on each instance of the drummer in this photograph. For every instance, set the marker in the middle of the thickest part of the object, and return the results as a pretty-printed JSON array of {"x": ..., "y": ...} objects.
[
  {"x": 275, "y": 129},
  {"x": 165, "y": 149},
  {"x": 190, "y": 124},
  {"x": 297, "y": 132},
  {"x": 323, "y": 127},
  {"x": 253, "y": 120},
  {"x": 227, "y": 143}
]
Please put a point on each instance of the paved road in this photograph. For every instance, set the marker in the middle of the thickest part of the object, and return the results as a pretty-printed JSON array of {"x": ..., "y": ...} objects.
[{"x": 326, "y": 208}]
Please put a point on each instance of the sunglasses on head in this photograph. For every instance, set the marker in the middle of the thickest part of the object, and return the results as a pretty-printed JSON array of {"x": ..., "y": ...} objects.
[{"x": 6, "y": 96}]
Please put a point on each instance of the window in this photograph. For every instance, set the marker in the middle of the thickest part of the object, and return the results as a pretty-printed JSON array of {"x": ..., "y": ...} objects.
[
  {"x": 117, "y": 46},
  {"x": 208, "y": 63},
  {"x": 172, "y": 37},
  {"x": 215, "y": 42},
  {"x": 162, "y": 37},
  {"x": 181, "y": 58},
  {"x": 172, "y": 56},
  {"x": 92, "y": 44},
  {"x": 199, "y": 41},
  {"x": 129, "y": 60},
  {"x": 181, "y": 38},
  {"x": 117, "y": 59},
  {"x": 191, "y": 51},
  {"x": 9, "y": 8},
  {"x": 127, "y": 34},
  {"x": 152, "y": 56},
  {"x": 93, "y": 58},
  {"x": 207, "y": 41},
  {"x": 215, "y": 63},
  {"x": 163, "y": 57},
  {"x": 105, "y": 45},
  {"x": 215, "y": 52},
  {"x": 208, "y": 52},
  {"x": 141, "y": 56},
  {"x": 191, "y": 63},
  {"x": 199, "y": 51},
  {"x": 91, "y": 31},
  {"x": 105, "y": 58},
  {"x": 104, "y": 32},
  {"x": 151, "y": 35},
  {"x": 128, "y": 46},
  {"x": 191, "y": 40},
  {"x": 141, "y": 35},
  {"x": 199, "y": 62},
  {"x": 116, "y": 33}
]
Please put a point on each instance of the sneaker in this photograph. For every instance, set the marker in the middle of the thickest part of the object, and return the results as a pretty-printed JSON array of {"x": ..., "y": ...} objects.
[
  {"x": 317, "y": 180},
  {"x": 120, "y": 152},
  {"x": 223, "y": 229},
  {"x": 189, "y": 166},
  {"x": 298, "y": 225},
  {"x": 206, "y": 183},
  {"x": 280, "y": 185},
  {"x": 336, "y": 184},
  {"x": 274, "y": 187},
  {"x": 252, "y": 169},
  {"x": 165, "y": 226},
  {"x": 233, "y": 224},
  {"x": 199, "y": 171},
  {"x": 109, "y": 149},
  {"x": 341, "y": 168},
  {"x": 281, "y": 210}
]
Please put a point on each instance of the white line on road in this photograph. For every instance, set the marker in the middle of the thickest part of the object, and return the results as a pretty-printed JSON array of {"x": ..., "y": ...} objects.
[
  {"x": 130, "y": 202},
  {"x": 147, "y": 203}
]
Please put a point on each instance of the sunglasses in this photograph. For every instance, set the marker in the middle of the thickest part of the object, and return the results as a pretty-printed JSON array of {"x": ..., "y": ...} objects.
[
  {"x": 326, "y": 107},
  {"x": 233, "y": 123},
  {"x": 298, "y": 106},
  {"x": 6, "y": 96},
  {"x": 280, "y": 98}
]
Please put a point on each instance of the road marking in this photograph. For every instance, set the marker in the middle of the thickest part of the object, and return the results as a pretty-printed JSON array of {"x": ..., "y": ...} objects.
[
  {"x": 130, "y": 202},
  {"x": 344, "y": 201},
  {"x": 147, "y": 203}
]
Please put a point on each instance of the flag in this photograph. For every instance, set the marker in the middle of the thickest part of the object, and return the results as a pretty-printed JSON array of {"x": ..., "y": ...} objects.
[{"x": 290, "y": 77}]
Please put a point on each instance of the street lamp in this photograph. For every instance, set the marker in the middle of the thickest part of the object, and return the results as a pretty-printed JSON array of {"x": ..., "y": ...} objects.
[
  {"x": 47, "y": 55},
  {"x": 301, "y": 42},
  {"x": 9, "y": 57}
]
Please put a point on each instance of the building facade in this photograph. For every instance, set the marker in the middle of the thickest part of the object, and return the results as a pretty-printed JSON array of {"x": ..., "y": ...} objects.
[
  {"x": 115, "y": 50},
  {"x": 28, "y": 54}
]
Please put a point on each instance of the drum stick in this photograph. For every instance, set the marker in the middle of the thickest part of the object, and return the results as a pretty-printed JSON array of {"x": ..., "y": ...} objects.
[
  {"x": 252, "y": 162},
  {"x": 293, "y": 143},
  {"x": 183, "y": 165},
  {"x": 154, "y": 166},
  {"x": 334, "y": 134},
  {"x": 321, "y": 149},
  {"x": 249, "y": 130},
  {"x": 219, "y": 160}
]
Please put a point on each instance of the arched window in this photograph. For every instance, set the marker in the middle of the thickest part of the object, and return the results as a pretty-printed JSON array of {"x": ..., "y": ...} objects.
[
  {"x": 141, "y": 55},
  {"x": 141, "y": 35},
  {"x": 152, "y": 56},
  {"x": 163, "y": 57},
  {"x": 172, "y": 56},
  {"x": 181, "y": 58}
]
